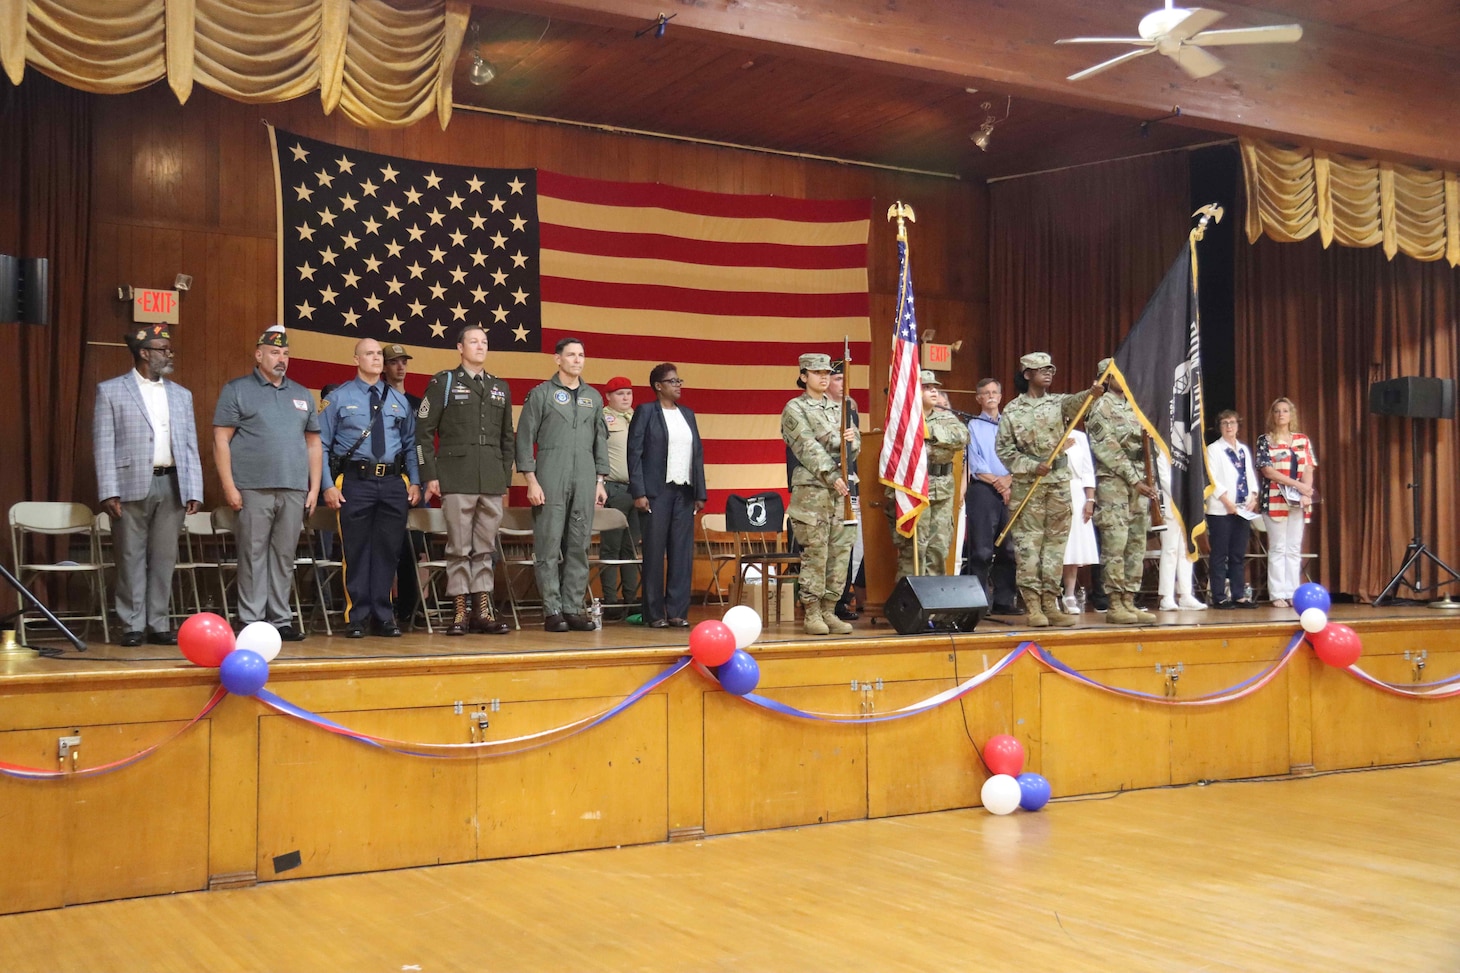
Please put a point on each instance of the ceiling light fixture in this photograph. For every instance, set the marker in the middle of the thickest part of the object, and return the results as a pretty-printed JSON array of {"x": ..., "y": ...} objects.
[
  {"x": 985, "y": 132},
  {"x": 481, "y": 71}
]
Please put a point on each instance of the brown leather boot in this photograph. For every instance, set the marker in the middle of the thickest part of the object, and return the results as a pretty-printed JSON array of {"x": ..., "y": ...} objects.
[
  {"x": 484, "y": 619},
  {"x": 458, "y": 624}
]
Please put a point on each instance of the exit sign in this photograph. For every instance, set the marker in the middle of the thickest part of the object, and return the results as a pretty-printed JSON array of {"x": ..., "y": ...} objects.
[
  {"x": 938, "y": 358},
  {"x": 154, "y": 306}
]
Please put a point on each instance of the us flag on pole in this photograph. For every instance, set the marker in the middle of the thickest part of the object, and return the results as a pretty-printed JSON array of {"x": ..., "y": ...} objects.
[
  {"x": 731, "y": 288},
  {"x": 903, "y": 464}
]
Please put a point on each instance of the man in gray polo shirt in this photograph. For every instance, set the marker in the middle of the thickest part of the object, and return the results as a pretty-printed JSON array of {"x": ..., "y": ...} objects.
[{"x": 266, "y": 447}]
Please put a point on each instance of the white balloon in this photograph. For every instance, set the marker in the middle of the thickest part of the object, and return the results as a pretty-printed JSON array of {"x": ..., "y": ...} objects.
[
  {"x": 1001, "y": 794},
  {"x": 1313, "y": 619},
  {"x": 260, "y": 637},
  {"x": 744, "y": 621}
]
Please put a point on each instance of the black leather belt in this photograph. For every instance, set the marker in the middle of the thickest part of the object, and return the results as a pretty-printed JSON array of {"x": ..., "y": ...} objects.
[
  {"x": 163, "y": 470},
  {"x": 940, "y": 469},
  {"x": 363, "y": 469}
]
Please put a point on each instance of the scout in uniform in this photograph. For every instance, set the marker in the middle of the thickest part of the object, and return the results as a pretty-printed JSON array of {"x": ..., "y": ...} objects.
[
  {"x": 562, "y": 421},
  {"x": 1029, "y": 431},
  {"x": 369, "y": 435},
  {"x": 944, "y": 435},
  {"x": 620, "y": 582},
  {"x": 470, "y": 469},
  {"x": 1122, "y": 500},
  {"x": 811, "y": 428}
]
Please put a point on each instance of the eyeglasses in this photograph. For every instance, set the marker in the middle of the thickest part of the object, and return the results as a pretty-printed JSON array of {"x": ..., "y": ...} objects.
[
  {"x": 159, "y": 351},
  {"x": 671, "y": 381},
  {"x": 1047, "y": 368}
]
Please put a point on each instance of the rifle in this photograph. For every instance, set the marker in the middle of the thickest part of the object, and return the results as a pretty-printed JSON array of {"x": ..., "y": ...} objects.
[
  {"x": 1158, "y": 519},
  {"x": 849, "y": 516}
]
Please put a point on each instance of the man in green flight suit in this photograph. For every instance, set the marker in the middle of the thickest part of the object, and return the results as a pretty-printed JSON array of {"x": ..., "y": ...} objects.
[
  {"x": 811, "y": 428},
  {"x": 563, "y": 420},
  {"x": 945, "y": 434},
  {"x": 1029, "y": 430},
  {"x": 1122, "y": 499},
  {"x": 471, "y": 469}
]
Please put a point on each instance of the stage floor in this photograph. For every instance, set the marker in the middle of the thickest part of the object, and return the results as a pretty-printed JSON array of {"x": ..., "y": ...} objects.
[{"x": 622, "y": 636}]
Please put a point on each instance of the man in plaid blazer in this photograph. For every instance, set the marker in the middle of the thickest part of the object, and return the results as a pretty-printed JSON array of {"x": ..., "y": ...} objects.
[{"x": 148, "y": 475}]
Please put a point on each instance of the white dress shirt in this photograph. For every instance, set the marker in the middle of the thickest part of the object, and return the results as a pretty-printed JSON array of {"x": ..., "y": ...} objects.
[
  {"x": 681, "y": 447},
  {"x": 154, "y": 397}
]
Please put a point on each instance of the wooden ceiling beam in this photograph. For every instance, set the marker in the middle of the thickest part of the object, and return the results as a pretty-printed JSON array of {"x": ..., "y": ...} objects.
[{"x": 1337, "y": 88}]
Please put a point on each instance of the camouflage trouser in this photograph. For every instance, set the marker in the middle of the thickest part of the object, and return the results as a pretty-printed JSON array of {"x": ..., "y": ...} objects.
[
  {"x": 935, "y": 535},
  {"x": 1040, "y": 535},
  {"x": 1123, "y": 518},
  {"x": 826, "y": 543}
]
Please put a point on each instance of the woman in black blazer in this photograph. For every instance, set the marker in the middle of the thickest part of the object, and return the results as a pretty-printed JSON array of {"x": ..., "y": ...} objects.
[{"x": 667, "y": 482}]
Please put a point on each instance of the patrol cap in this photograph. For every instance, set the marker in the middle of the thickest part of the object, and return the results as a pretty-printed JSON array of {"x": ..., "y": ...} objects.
[
  {"x": 1036, "y": 359},
  {"x": 838, "y": 367},
  {"x": 392, "y": 352},
  {"x": 1100, "y": 368},
  {"x": 813, "y": 362},
  {"x": 928, "y": 378},
  {"x": 154, "y": 332},
  {"x": 275, "y": 336},
  {"x": 616, "y": 384}
]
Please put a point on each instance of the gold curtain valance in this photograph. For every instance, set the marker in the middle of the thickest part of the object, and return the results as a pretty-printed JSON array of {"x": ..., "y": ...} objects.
[
  {"x": 1356, "y": 202},
  {"x": 384, "y": 64}
]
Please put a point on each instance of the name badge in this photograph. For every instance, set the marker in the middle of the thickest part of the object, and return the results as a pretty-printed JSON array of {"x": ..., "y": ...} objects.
[
  {"x": 301, "y": 405},
  {"x": 585, "y": 401}
]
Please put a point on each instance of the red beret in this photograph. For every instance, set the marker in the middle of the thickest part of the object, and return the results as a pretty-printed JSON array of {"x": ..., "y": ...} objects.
[{"x": 616, "y": 383}]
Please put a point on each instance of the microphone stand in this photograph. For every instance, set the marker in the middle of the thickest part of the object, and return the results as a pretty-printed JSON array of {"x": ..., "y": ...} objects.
[{"x": 25, "y": 595}]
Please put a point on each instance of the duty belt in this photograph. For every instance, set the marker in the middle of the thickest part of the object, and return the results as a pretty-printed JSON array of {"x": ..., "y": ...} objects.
[
  {"x": 362, "y": 468},
  {"x": 940, "y": 469}
]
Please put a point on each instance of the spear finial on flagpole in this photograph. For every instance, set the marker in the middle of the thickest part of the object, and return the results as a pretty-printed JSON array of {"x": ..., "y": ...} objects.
[{"x": 901, "y": 212}]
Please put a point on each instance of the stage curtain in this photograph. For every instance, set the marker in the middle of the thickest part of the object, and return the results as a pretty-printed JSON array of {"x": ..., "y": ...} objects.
[
  {"x": 1319, "y": 325},
  {"x": 383, "y": 64},
  {"x": 45, "y": 211},
  {"x": 1075, "y": 255},
  {"x": 1295, "y": 192}
]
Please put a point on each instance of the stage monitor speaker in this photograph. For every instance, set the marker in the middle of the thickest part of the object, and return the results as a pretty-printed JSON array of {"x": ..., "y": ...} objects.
[
  {"x": 9, "y": 288},
  {"x": 936, "y": 603},
  {"x": 35, "y": 290},
  {"x": 1414, "y": 398}
]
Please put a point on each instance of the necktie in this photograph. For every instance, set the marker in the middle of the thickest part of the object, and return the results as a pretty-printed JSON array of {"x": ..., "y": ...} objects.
[{"x": 377, "y": 425}]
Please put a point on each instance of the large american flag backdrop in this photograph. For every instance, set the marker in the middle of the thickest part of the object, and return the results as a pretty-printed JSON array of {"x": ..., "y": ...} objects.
[{"x": 731, "y": 288}]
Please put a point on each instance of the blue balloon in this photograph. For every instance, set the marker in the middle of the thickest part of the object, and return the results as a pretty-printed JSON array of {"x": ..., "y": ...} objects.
[
  {"x": 243, "y": 672},
  {"x": 1033, "y": 791},
  {"x": 740, "y": 675},
  {"x": 1311, "y": 595}
]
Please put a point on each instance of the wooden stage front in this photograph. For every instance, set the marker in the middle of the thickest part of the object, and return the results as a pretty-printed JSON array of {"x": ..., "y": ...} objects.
[{"x": 251, "y": 795}]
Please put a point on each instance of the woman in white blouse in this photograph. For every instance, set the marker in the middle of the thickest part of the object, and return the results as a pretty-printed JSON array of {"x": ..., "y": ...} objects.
[{"x": 1230, "y": 512}]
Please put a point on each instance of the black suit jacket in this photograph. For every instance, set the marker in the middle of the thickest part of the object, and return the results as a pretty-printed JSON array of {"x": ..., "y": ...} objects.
[{"x": 649, "y": 452}]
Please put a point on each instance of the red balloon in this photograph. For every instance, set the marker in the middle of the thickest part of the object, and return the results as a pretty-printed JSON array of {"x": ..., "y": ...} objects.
[
  {"x": 1004, "y": 755},
  {"x": 1336, "y": 644},
  {"x": 205, "y": 639},
  {"x": 711, "y": 643}
]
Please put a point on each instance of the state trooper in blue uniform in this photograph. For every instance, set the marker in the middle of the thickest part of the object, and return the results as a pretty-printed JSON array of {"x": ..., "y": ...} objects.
[{"x": 369, "y": 430}]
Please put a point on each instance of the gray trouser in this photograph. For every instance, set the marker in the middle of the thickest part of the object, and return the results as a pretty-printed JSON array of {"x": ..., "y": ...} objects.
[
  {"x": 471, "y": 540},
  {"x": 268, "y": 537},
  {"x": 620, "y": 545},
  {"x": 561, "y": 531},
  {"x": 145, "y": 542}
]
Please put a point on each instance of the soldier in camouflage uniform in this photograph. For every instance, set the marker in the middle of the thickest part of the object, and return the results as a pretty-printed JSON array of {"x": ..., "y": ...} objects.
[
  {"x": 1122, "y": 500},
  {"x": 945, "y": 436},
  {"x": 811, "y": 427},
  {"x": 1029, "y": 431}
]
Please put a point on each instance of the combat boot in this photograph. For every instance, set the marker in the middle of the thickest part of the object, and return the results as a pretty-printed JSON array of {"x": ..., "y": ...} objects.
[
  {"x": 1037, "y": 617},
  {"x": 834, "y": 625},
  {"x": 485, "y": 619},
  {"x": 1052, "y": 611},
  {"x": 815, "y": 624},
  {"x": 459, "y": 622},
  {"x": 1142, "y": 616},
  {"x": 1117, "y": 613}
]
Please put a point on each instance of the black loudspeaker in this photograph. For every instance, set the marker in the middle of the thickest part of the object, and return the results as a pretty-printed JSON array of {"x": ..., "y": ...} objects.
[
  {"x": 9, "y": 288},
  {"x": 1414, "y": 398},
  {"x": 936, "y": 603},
  {"x": 25, "y": 289}
]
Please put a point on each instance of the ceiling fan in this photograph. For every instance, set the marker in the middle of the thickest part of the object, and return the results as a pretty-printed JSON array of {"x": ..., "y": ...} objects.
[{"x": 1181, "y": 33}]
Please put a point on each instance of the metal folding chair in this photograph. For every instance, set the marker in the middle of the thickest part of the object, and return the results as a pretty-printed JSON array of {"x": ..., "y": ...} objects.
[{"x": 58, "y": 519}]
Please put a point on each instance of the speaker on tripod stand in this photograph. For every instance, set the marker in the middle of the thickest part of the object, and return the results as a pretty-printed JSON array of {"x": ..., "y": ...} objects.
[{"x": 1416, "y": 398}]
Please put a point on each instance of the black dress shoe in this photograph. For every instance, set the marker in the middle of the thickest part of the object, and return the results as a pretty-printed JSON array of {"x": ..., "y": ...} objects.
[
  {"x": 1007, "y": 610},
  {"x": 679, "y": 623},
  {"x": 495, "y": 626},
  {"x": 555, "y": 623},
  {"x": 1223, "y": 604},
  {"x": 579, "y": 623},
  {"x": 389, "y": 630},
  {"x": 131, "y": 639},
  {"x": 1244, "y": 604},
  {"x": 288, "y": 633},
  {"x": 353, "y": 632},
  {"x": 659, "y": 623},
  {"x": 161, "y": 638}
]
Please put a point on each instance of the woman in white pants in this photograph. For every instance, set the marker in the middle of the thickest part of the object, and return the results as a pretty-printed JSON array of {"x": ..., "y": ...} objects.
[
  {"x": 1286, "y": 460},
  {"x": 1174, "y": 574}
]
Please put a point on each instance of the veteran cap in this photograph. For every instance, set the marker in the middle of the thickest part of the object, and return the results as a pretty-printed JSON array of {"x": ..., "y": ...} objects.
[
  {"x": 275, "y": 336},
  {"x": 617, "y": 384},
  {"x": 392, "y": 352},
  {"x": 813, "y": 362},
  {"x": 146, "y": 333},
  {"x": 1036, "y": 359}
]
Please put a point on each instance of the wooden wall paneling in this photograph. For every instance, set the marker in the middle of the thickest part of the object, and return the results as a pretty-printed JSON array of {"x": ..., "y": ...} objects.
[
  {"x": 686, "y": 762},
  {"x": 767, "y": 771},
  {"x": 233, "y": 792},
  {"x": 34, "y": 837},
  {"x": 1355, "y": 726},
  {"x": 1131, "y": 749},
  {"x": 608, "y": 786},
  {"x": 348, "y": 807},
  {"x": 930, "y": 762},
  {"x": 1248, "y": 738}
]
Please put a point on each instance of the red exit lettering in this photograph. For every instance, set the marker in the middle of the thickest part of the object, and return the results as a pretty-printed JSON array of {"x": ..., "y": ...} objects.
[{"x": 936, "y": 353}]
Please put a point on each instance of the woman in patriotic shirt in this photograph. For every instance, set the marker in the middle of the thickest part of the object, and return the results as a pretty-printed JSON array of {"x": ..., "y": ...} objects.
[{"x": 1286, "y": 460}]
